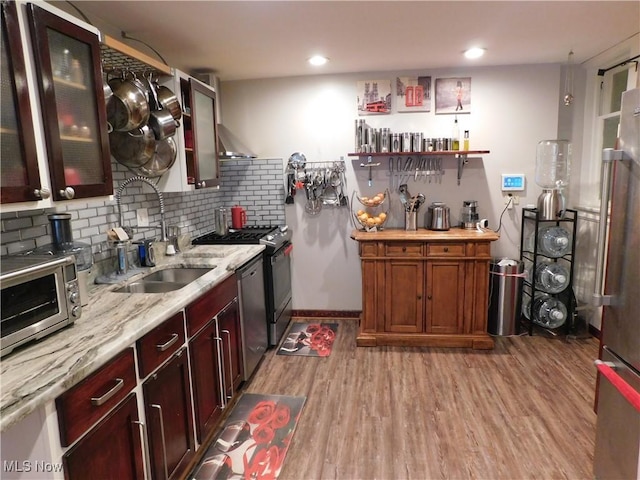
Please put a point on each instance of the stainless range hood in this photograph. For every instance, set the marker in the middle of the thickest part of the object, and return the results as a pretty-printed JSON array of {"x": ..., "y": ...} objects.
[{"x": 230, "y": 146}]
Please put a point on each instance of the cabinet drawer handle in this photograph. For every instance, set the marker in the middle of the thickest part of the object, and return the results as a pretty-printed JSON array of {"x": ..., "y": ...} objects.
[
  {"x": 446, "y": 249},
  {"x": 229, "y": 397},
  {"x": 164, "y": 443},
  {"x": 96, "y": 402},
  {"x": 164, "y": 346}
]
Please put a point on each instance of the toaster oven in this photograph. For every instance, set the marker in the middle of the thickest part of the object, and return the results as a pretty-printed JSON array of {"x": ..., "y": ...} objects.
[{"x": 39, "y": 296}]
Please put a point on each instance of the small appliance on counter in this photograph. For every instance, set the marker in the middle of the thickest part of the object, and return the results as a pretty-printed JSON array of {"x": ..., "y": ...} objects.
[
  {"x": 469, "y": 214},
  {"x": 438, "y": 216},
  {"x": 39, "y": 296},
  {"x": 62, "y": 244}
]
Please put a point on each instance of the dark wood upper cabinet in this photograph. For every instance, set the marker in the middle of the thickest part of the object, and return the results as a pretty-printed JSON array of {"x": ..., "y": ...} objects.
[
  {"x": 68, "y": 67},
  {"x": 20, "y": 179},
  {"x": 201, "y": 136}
]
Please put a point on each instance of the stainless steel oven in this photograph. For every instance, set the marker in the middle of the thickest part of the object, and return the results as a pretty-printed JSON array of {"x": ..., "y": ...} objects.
[
  {"x": 277, "y": 269},
  {"x": 39, "y": 296}
]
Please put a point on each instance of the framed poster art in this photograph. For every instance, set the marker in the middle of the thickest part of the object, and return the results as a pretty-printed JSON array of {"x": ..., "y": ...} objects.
[
  {"x": 453, "y": 95},
  {"x": 413, "y": 94},
  {"x": 374, "y": 97}
]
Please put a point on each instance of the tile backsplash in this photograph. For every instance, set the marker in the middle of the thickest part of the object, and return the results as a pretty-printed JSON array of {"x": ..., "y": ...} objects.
[{"x": 257, "y": 185}]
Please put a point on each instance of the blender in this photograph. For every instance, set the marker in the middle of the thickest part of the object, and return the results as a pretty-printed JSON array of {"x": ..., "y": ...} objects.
[
  {"x": 553, "y": 159},
  {"x": 469, "y": 214}
]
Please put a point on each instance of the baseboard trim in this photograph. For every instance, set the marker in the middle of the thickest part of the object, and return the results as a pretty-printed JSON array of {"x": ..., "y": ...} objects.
[
  {"x": 326, "y": 314},
  {"x": 594, "y": 331}
]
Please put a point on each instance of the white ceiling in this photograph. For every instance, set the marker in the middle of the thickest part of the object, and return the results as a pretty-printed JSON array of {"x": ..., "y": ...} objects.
[{"x": 261, "y": 39}]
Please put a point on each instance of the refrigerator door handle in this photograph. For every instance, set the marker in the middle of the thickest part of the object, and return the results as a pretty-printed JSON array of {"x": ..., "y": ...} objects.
[
  {"x": 609, "y": 155},
  {"x": 608, "y": 370}
]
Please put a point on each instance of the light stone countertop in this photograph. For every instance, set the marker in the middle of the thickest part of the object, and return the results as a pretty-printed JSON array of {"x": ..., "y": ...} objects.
[{"x": 35, "y": 375}]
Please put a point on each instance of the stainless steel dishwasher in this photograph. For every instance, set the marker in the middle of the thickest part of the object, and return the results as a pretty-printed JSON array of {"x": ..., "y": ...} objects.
[{"x": 253, "y": 314}]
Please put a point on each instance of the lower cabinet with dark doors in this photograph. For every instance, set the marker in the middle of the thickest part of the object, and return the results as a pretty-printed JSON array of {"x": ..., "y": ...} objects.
[
  {"x": 167, "y": 405},
  {"x": 188, "y": 373},
  {"x": 425, "y": 288},
  {"x": 215, "y": 352},
  {"x": 113, "y": 444}
]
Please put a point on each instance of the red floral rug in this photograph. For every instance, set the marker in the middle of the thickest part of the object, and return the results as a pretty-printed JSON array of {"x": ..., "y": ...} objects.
[
  {"x": 309, "y": 339},
  {"x": 254, "y": 440}
]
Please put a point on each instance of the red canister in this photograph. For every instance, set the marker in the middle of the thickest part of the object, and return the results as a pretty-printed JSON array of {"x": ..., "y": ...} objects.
[{"x": 238, "y": 217}]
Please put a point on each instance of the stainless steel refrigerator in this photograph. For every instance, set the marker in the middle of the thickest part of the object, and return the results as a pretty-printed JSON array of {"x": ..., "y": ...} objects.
[{"x": 617, "y": 450}]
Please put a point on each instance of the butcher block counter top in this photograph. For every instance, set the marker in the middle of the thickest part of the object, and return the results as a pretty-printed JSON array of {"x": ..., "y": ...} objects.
[
  {"x": 37, "y": 373},
  {"x": 425, "y": 288},
  {"x": 424, "y": 235}
]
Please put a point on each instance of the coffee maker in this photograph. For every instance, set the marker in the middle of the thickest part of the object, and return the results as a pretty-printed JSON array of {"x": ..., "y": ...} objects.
[{"x": 469, "y": 216}]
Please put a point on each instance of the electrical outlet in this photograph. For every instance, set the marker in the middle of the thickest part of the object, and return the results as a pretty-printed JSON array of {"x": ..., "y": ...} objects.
[
  {"x": 516, "y": 200},
  {"x": 509, "y": 201},
  {"x": 142, "y": 217}
]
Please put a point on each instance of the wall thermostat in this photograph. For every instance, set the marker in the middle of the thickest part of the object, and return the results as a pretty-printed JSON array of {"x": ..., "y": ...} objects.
[{"x": 513, "y": 182}]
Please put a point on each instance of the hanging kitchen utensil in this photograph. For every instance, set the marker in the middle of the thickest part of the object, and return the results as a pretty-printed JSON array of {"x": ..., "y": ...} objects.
[
  {"x": 134, "y": 148},
  {"x": 130, "y": 108},
  {"x": 404, "y": 194},
  {"x": 163, "y": 159},
  {"x": 160, "y": 120}
]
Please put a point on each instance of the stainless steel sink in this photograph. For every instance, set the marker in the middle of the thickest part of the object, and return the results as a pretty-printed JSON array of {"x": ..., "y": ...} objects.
[{"x": 166, "y": 280}]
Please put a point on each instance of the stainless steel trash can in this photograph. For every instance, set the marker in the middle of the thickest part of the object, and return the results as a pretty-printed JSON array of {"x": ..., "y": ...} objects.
[{"x": 505, "y": 295}]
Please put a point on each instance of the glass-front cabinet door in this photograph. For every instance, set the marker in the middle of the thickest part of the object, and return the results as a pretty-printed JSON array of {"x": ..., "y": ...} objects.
[
  {"x": 205, "y": 136},
  {"x": 69, "y": 72},
  {"x": 19, "y": 175}
]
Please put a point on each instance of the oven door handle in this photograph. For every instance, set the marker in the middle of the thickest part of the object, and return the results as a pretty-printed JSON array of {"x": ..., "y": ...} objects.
[{"x": 288, "y": 249}]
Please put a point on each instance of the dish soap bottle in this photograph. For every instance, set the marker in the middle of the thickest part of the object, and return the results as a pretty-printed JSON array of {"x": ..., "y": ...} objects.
[{"x": 455, "y": 137}]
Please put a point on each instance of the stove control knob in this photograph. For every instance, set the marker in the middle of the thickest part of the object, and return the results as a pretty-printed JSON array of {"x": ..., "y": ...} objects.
[
  {"x": 284, "y": 228},
  {"x": 270, "y": 238}
]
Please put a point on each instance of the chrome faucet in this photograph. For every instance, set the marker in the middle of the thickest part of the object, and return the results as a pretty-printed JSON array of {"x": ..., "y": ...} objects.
[{"x": 138, "y": 178}]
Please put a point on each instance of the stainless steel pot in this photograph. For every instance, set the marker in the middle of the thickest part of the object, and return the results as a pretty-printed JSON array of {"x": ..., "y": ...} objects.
[
  {"x": 169, "y": 101},
  {"x": 130, "y": 105},
  {"x": 134, "y": 148},
  {"x": 162, "y": 160},
  {"x": 160, "y": 120},
  {"x": 438, "y": 217}
]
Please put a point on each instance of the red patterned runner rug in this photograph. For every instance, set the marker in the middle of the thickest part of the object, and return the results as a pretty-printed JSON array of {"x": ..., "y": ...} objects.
[
  {"x": 254, "y": 441},
  {"x": 309, "y": 339}
]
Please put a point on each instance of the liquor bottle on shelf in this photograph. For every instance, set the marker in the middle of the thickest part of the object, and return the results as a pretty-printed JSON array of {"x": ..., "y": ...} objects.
[
  {"x": 455, "y": 135},
  {"x": 545, "y": 310},
  {"x": 551, "y": 277}
]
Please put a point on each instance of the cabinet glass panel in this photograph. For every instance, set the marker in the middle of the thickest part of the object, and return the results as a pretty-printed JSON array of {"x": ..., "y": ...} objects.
[
  {"x": 76, "y": 108},
  {"x": 14, "y": 171},
  {"x": 207, "y": 148},
  {"x": 20, "y": 178},
  {"x": 74, "y": 115}
]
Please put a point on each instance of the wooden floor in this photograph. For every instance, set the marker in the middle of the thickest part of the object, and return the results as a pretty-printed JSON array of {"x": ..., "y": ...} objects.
[{"x": 521, "y": 411}]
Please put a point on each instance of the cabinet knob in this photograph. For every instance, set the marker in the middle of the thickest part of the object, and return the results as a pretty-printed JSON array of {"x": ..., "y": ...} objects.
[
  {"x": 419, "y": 297},
  {"x": 404, "y": 249},
  {"x": 68, "y": 193},
  {"x": 42, "y": 193},
  {"x": 446, "y": 249},
  {"x": 429, "y": 297}
]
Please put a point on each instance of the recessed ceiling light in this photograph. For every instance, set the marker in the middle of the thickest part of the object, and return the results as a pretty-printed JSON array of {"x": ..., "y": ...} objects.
[
  {"x": 475, "y": 52},
  {"x": 318, "y": 60}
]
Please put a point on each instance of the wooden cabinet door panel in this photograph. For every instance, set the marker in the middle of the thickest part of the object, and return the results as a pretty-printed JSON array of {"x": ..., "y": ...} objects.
[
  {"x": 69, "y": 74},
  {"x": 229, "y": 324},
  {"x": 445, "y": 296},
  {"x": 204, "y": 352},
  {"x": 403, "y": 293},
  {"x": 167, "y": 399},
  {"x": 111, "y": 449},
  {"x": 20, "y": 178}
]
